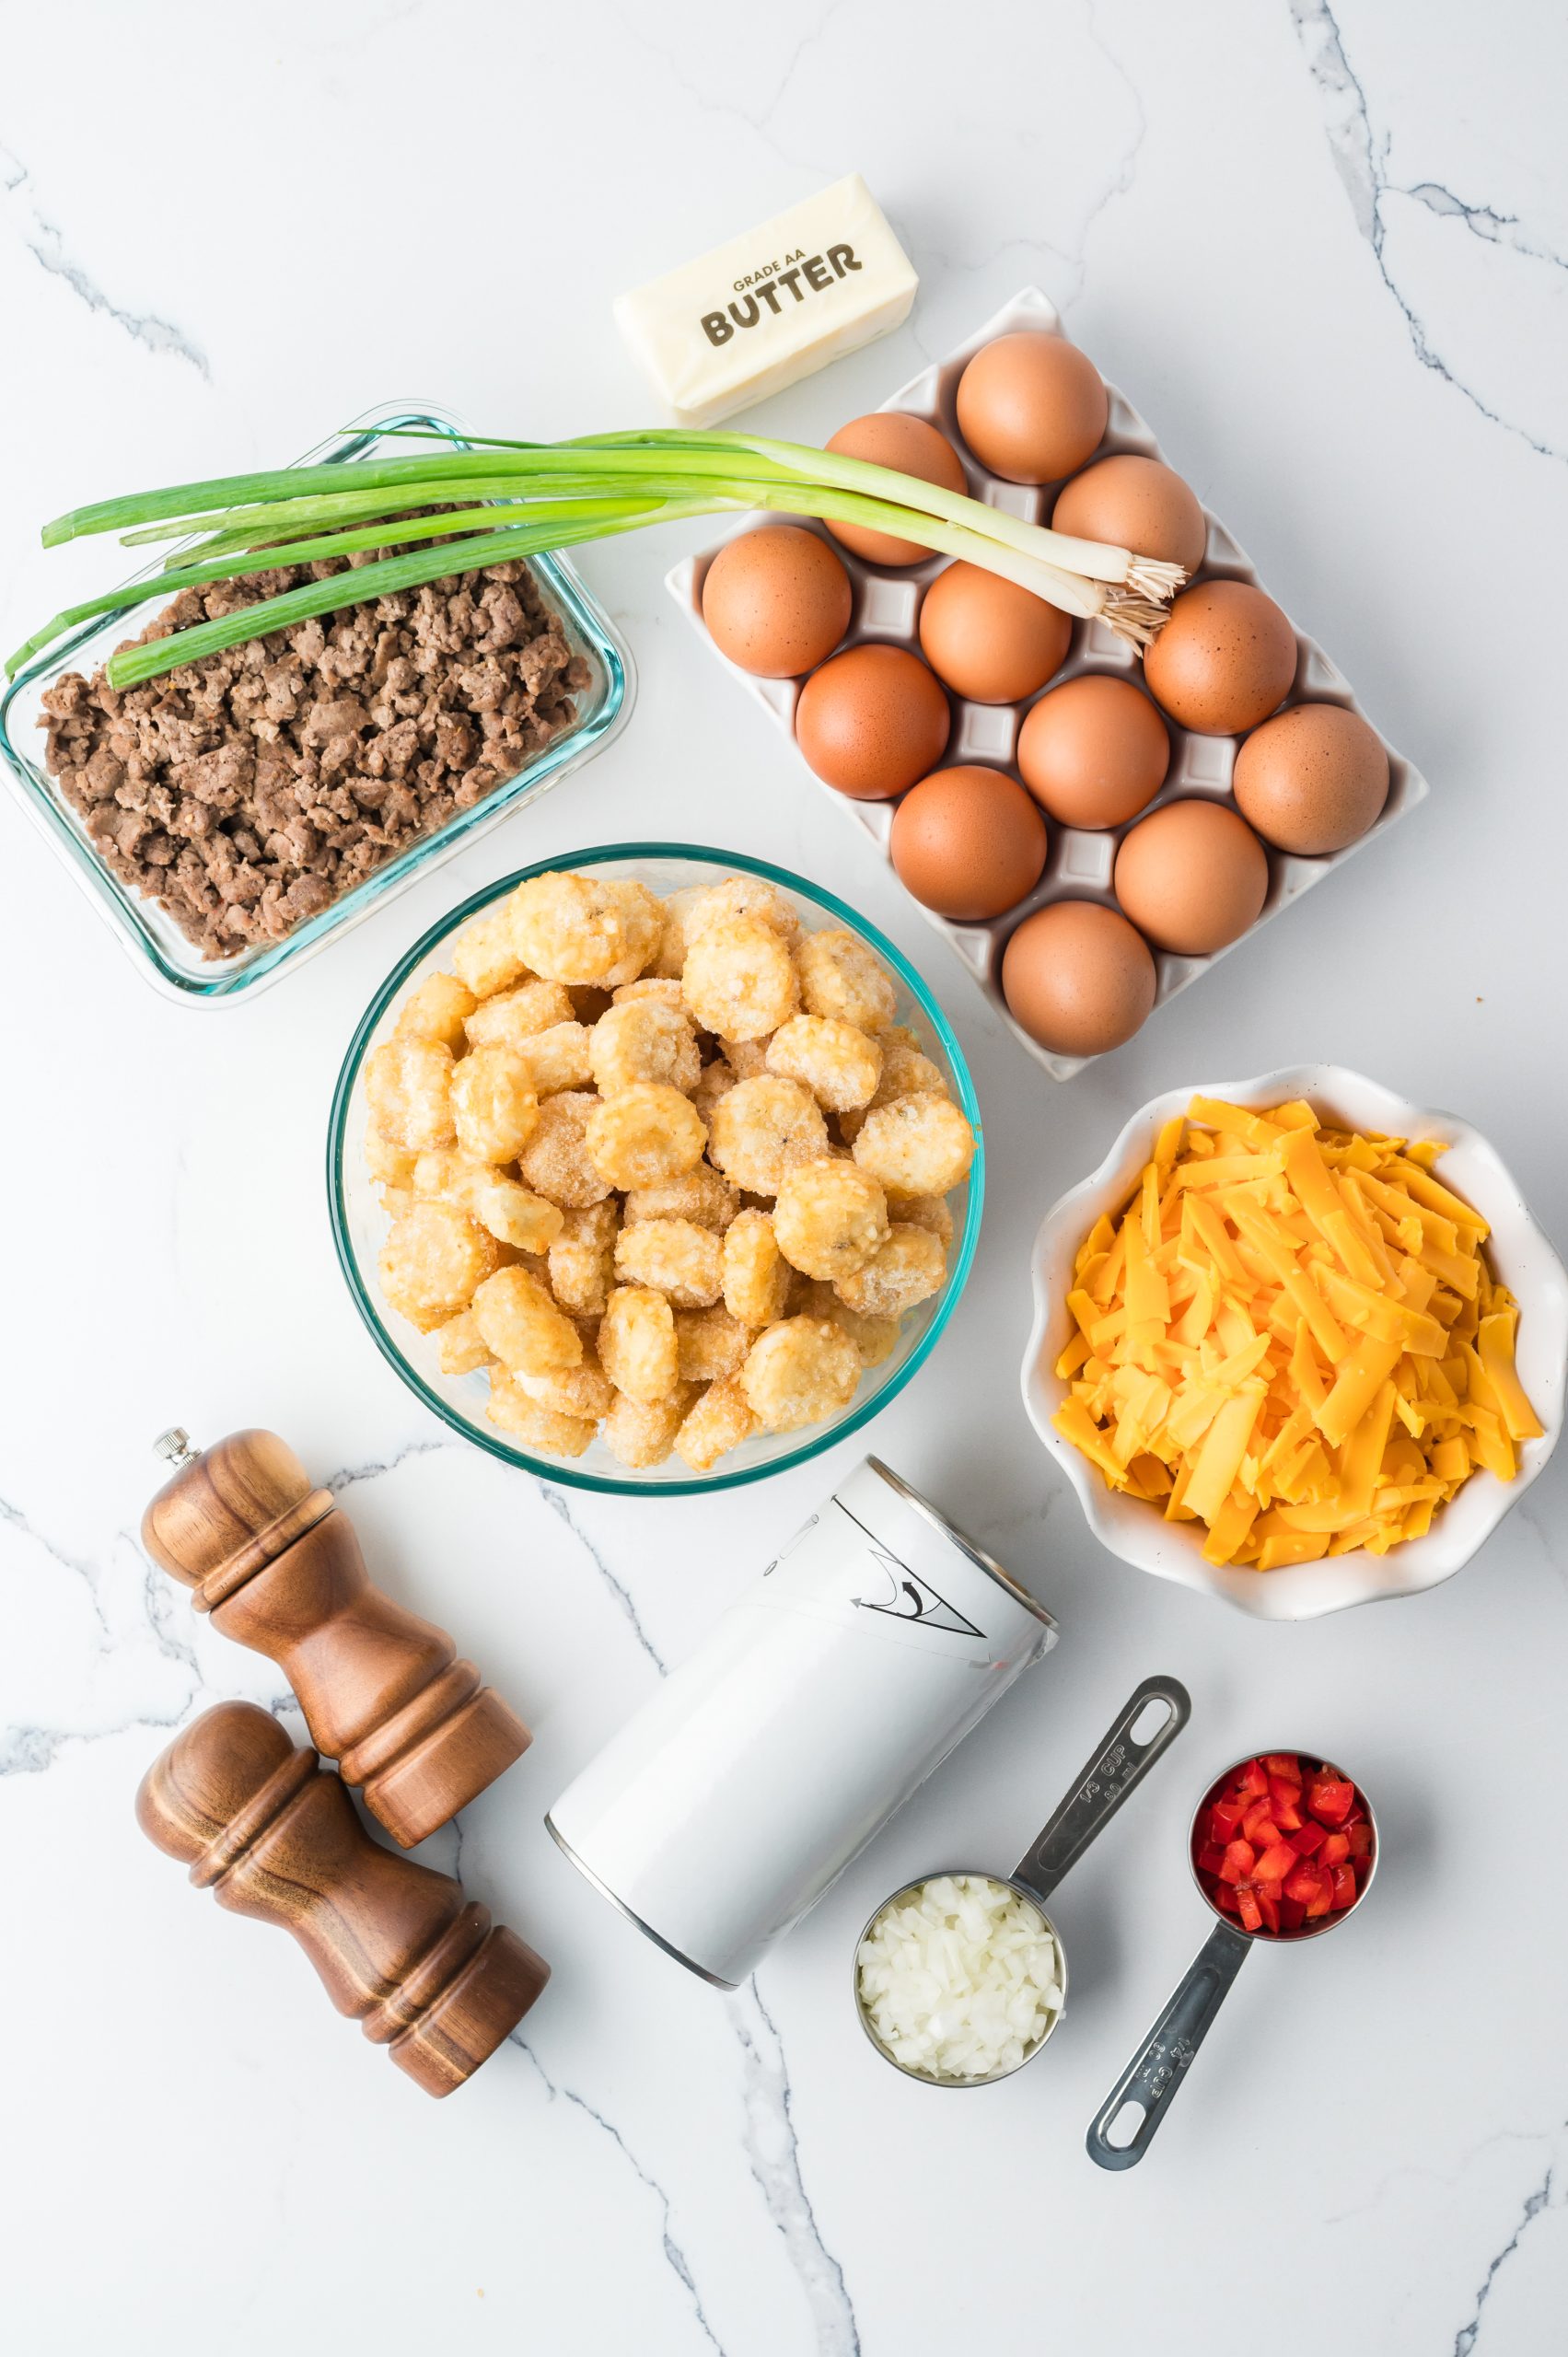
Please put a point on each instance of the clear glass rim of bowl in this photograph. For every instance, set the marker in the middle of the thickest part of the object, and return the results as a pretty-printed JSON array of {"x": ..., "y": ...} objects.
[
  {"x": 815, "y": 1439},
  {"x": 134, "y": 921}
]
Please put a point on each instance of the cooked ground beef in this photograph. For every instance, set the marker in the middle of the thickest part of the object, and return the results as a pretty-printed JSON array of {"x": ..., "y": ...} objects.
[{"x": 247, "y": 791}]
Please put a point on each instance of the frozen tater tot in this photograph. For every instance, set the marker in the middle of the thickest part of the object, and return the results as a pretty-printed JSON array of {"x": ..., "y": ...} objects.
[
  {"x": 636, "y": 1344},
  {"x": 639, "y": 1432},
  {"x": 708, "y": 1344},
  {"x": 917, "y": 1146},
  {"x": 581, "y": 1390},
  {"x": 842, "y": 977},
  {"x": 756, "y": 1274},
  {"x": 514, "y": 1016},
  {"x": 521, "y": 1323},
  {"x": 495, "y": 1109},
  {"x": 433, "y": 1262},
  {"x": 800, "y": 1371},
  {"x": 720, "y": 1421},
  {"x": 739, "y": 978},
  {"x": 582, "y": 1259},
  {"x": 907, "y": 1267},
  {"x": 676, "y": 1257},
  {"x": 837, "y": 1062},
  {"x": 437, "y": 1009},
  {"x": 556, "y": 1162},
  {"x": 484, "y": 954},
  {"x": 762, "y": 1128},
  {"x": 716, "y": 1080},
  {"x": 388, "y": 1161},
  {"x": 643, "y": 1038},
  {"x": 699, "y": 1195},
  {"x": 536, "y": 1426},
  {"x": 586, "y": 929},
  {"x": 460, "y": 1348},
  {"x": 557, "y": 1058},
  {"x": 644, "y": 1135},
  {"x": 929, "y": 1211},
  {"x": 874, "y": 1338},
  {"x": 742, "y": 896},
  {"x": 408, "y": 1092},
  {"x": 830, "y": 1218}
]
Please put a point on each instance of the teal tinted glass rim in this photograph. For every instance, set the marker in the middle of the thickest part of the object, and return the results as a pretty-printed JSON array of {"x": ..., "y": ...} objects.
[
  {"x": 550, "y": 1468},
  {"x": 560, "y": 587}
]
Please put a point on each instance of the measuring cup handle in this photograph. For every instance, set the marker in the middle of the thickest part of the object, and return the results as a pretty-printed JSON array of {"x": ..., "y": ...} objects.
[
  {"x": 1110, "y": 1776},
  {"x": 1160, "y": 2065}
]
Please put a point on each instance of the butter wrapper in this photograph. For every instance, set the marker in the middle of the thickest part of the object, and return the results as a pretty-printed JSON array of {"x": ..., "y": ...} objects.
[{"x": 758, "y": 314}]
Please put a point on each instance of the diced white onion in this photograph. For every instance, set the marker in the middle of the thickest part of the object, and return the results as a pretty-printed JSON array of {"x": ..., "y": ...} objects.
[{"x": 960, "y": 1977}]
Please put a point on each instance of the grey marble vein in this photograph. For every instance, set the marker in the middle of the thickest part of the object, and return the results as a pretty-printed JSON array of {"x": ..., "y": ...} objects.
[
  {"x": 374, "y": 1468},
  {"x": 1535, "y": 2202},
  {"x": 773, "y": 2149},
  {"x": 45, "y": 242},
  {"x": 674, "y": 2255},
  {"x": 1361, "y": 160},
  {"x": 559, "y": 1505}
]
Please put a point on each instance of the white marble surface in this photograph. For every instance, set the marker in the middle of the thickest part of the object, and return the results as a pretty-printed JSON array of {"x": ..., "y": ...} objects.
[{"x": 1327, "y": 253}]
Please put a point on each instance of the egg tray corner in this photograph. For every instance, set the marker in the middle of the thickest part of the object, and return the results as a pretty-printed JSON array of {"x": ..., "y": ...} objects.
[{"x": 885, "y": 609}]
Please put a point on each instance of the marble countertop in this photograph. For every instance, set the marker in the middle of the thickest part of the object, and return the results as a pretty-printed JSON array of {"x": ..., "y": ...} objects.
[{"x": 1325, "y": 252}]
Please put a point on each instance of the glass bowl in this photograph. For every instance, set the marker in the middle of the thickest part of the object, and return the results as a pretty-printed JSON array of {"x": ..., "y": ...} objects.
[
  {"x": 360, "y": 1225},
  {"x": 154, "y": 942}
]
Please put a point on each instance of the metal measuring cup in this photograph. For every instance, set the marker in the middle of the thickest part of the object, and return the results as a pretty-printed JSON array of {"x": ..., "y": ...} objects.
[
  {"x": 1119, "y": 1762},
  {"x": 1152, "y": 2078}
]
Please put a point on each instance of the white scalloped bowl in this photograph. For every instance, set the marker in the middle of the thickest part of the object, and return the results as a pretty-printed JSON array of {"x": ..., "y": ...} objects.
[{"x": 1519, "y": 1253}]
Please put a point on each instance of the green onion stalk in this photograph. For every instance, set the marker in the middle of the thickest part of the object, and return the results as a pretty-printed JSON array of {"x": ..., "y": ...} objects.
[{"x": 499, "y": 500}]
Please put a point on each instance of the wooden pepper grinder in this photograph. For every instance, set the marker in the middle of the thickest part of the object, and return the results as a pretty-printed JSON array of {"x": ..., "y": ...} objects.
[
  {"x": 279, "y": 1569},
  {"x": 272, "y": 1833}
]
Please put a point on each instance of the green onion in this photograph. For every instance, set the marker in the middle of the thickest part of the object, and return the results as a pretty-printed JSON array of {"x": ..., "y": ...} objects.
[{"x": 543, "y": 495}]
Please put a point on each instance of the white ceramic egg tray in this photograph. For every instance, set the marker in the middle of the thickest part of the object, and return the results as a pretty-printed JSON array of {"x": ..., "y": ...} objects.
[{"x": 1080, "y": 862}]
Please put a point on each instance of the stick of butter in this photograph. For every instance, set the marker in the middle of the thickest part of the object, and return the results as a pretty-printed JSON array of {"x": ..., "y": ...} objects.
[{"x": 768, "y": 308}]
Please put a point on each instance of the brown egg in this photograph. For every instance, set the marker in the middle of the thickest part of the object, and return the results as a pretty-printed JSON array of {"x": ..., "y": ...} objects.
[
  {"x": 1136, "y": 504},
  {"x": 1312, "y": 779},
  {"x": 991, "y": 641},
  {"x": 967, "y": 843},
  {"x": 887, "y": 438},
  {"x": 1032, "y": 407},
  {"x": 1078, "y": 977},
  {"x": 1094, "y": 752},
  {"x": 872, "y": 721},
  {"x": 1224, "y": 657},
  {"x": 776, "y": 601},
  {"x": 1193, "y": 876}
]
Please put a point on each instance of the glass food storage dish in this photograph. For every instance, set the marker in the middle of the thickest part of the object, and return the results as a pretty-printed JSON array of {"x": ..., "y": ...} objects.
[
  {"x": 154, "y": 942},
  {"x": 360, "y": 1225}
]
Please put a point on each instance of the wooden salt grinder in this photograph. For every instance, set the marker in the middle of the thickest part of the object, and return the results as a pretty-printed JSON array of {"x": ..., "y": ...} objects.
[
  {"x": 279, "y": 1568},
  {"x": 272, "y": 1833}
]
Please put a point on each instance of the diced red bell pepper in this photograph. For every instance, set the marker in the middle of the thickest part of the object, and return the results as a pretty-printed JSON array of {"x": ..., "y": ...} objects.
[
  {"x": 1360, "y": 1839},
  {"x": 1258, "y": 1827},
  {"x": 1335, "y": 1850},
  {"x": 1329, "y": 1797},
  {"x": 1246, "y": 1907},
  {"x": 1293, "y": 1914},
  {"x": 1269, "y": 1908},
  {"x": 1223, "y": 1895},
  {"x": 1285, "y": 1804},
  {"x": 1239, "y": 1862},
  {"x": 1253, "y": 1779},
  {"x": 1225, "y": 1817},
  {"x": 1344, "y": 1894},
  {"x": 1211, "y": 1858},
  {"x": 1307, "y": 1840},
  {"x": 1302, "y": 1882},
  {"x": 1322, "y": 1898},
  {"x": 1274, "y": 1863},
  {"x": 1282, "y": 1763}
]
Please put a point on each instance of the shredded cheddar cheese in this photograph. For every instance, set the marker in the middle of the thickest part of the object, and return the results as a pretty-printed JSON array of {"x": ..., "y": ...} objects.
[{"x": 1292, "y": 1335}]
